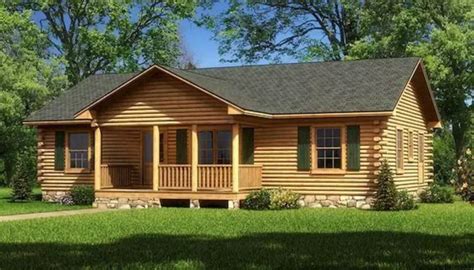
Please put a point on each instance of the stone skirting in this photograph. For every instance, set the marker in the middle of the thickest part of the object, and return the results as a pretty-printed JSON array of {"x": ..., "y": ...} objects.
[
  {"x": 54, "y": 196},
  {"x": 336, "y": 201},
  {"x": 311, "y": 201},
  {"x": 127, "y": 203}
]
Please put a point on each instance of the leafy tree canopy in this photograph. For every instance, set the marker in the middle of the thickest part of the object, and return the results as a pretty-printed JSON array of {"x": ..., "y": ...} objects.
[
  {"x": 28, "y": 76},
  {"x": 104, "y": 36}
]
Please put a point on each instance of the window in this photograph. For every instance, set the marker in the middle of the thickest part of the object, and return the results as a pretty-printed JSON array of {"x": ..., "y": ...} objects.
[
  {"x": 224, "y": 147},
  {"x": 78, "y": 150},
  {"x": 399, "y": 149},
  {"x": 410, "y": 146},
  {"x": 205, "y": 144},
  {"x": 328, "y": 148},
  {"x": 421, "y": 148},
  {"x": 215, "y": 147},
  {"x": 148, "y": 147}
]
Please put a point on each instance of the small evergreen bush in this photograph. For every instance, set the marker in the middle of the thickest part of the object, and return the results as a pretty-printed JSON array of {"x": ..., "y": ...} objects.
[
  {"x": 257, "y": 200},
  {"x": 82, "y": 195},
  {"x": 386, "y": 196},
  {"x": 21, "y": 189},
  {"x": 22, "y": 182},
  {"x": 437, "y": 194},
  {"x": 283, "y": 199},
  {"x": 405, "y": 201}
]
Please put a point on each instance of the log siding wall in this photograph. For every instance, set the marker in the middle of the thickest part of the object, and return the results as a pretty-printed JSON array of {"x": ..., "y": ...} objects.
[
  {"x": 123, "y": 147},
  {"x": 162, "y": 100},
  {"x": 50, "y": 179},
  {"x": 409, "y": 117},
  {"x": 276, "y": 150}
]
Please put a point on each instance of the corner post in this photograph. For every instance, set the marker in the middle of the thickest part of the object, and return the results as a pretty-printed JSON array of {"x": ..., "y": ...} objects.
[
  {"x": 235, "y": 157},
  {"x": 194, "y": 158},
  {"x": 97, "y": 158},
  {"x": 156, "y": 156}
]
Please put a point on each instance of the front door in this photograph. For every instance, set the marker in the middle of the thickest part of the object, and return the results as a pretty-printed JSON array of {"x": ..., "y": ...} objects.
[{"x": 421, "y": 158}]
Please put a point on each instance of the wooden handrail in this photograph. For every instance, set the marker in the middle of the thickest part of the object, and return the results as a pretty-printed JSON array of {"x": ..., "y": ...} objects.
[
  {"x": 214, "y": 177},
  {"x": 174, "y": 176}
]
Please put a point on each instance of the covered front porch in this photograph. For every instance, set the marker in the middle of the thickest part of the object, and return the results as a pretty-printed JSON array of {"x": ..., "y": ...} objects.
[{"x": 196, "y": 162}]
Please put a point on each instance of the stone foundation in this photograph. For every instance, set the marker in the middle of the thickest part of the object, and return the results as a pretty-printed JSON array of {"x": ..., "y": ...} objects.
[
  {"x": 311, "y": 201},
  {"x": 54, "y": 196},
  {"x": 336, "y": 201},
  {"x": 127, "y": 203}
]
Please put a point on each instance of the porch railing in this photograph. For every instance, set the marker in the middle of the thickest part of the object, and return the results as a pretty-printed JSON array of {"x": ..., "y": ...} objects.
[
  {"x": 115, "y": 175},
  {"x": 215, "y": 177},
  {"x": 174, "y": 176}
]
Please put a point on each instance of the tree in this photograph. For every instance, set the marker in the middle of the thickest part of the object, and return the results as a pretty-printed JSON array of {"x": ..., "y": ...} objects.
[
  {"x": 444, "y": 157},
  {"x": 386, "y": 196},
  {"x": 252, "y": 30},
  {"x": 439, "y": 32},
  {"x": 27, "y": 78},
  {"x": 105, "y": 36}
]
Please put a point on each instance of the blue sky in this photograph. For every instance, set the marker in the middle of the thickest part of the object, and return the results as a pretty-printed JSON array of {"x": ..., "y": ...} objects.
[{"x": 202, "y": 47}]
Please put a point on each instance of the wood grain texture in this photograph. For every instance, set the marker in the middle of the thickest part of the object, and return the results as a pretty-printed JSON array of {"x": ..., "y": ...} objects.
[
  {"x": 50, "y": 179},
  {"x": 276, "y": 151},
  {"x": 161, "y": 100},
  {"x": 410, "y": 117}
]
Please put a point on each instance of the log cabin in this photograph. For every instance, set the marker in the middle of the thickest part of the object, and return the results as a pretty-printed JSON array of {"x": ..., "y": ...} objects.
[{"x": 215, "y": 134}]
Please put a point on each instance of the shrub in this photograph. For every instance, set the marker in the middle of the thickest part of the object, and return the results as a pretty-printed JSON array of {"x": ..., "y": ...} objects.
[
  {"x": 405, "y": 201},
  {"x": 82, "y": 195},
  {"x": 257, "y": 200},
  {"x": 437, "y": 194},
  {"x": 21, "y": 189},
  {"x": 444, "y": 157},
  {"x": 386, "y": 196},
  {"x": 283, "y": 199},
  {"x": 22, "y": 181}
]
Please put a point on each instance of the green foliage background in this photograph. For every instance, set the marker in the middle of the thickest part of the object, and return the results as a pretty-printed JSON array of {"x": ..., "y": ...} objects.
[
  {"x": 75, "y": 39},
  {"x": 68, "y": 41}
]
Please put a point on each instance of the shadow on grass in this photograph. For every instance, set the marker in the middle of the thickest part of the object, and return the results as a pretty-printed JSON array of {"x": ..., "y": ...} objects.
[{"x": 272, "y": 250}]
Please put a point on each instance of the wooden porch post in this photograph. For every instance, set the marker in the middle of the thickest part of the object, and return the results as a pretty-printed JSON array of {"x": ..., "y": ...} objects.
[
  {"x": 235, "y": 157},
  {"x": 194, "y": 158},
  {"x": 97, "y": 158},
  {"x": 156, "y": 156}
]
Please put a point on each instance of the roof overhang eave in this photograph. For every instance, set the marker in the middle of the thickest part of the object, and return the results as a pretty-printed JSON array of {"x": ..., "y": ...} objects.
[{"x": 56, "y": 122}]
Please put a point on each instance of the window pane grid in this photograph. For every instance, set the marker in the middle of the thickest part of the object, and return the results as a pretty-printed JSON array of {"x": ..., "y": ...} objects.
[
  {"x": 205, "y": 147},
  {"x": 328, "y": 147},
  {"x": 78, "y": 150}
]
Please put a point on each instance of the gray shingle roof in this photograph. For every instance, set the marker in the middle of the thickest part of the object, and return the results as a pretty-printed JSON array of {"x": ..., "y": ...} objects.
[
  {"x": 79, "y": 96},
  {"x": 321, "y": 87}
]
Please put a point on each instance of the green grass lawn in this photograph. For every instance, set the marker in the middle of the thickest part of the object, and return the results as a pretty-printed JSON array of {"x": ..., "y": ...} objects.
[
  {"x": 34, "y": 206},
  {"x": 433, "y": 236}
]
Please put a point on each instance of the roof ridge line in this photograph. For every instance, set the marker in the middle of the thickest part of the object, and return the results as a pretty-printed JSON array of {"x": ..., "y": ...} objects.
[{"x": 302, "y": 63}]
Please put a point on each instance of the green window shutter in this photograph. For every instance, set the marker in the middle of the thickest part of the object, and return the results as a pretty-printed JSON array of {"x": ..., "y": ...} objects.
[
  {"x": 353, "y": 148},
  {"x": 59, "y": 151},
  {"x": 247, "y": 145},
  {"x": 182, "y": 146},
  {"x": 304, "y": 162}
]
